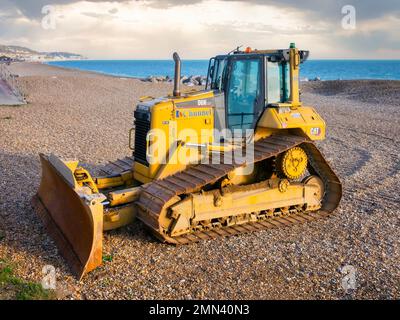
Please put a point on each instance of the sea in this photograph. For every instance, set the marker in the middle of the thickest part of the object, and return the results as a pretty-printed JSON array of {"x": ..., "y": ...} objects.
[{"x": 310, "y": 70}]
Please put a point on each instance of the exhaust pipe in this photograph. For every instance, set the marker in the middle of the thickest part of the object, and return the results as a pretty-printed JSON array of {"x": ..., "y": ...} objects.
[{"x": 177, "y": 78}]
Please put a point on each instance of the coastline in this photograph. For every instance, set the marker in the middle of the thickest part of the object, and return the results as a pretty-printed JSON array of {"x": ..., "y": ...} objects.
[
  {"x": 142, "y": 78},
  {"x": 312, "y": 70},
  {"x": 87, "y": 115},
  {"x": 149, "y": 77},
  {"x": 383, "y": 91},
  {"x": 19, "y": 67},
  {"x": 92, "y": 72}
]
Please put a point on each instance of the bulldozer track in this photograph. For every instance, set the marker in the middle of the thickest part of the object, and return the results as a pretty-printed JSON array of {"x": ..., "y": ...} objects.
[
  {"x": 157, "y": 195},
  {"x": 119, "y": 166}
]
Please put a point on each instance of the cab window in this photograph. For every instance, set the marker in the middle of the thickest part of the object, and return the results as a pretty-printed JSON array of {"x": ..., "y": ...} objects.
[
  {"x": 278, "y": 82},
  {"x": 244, "y": 93},
  {"x": 218, "y": 74}
]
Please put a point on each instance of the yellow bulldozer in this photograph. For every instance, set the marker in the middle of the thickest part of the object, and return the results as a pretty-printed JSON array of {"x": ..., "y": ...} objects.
[{"x": 237, "y": 156}]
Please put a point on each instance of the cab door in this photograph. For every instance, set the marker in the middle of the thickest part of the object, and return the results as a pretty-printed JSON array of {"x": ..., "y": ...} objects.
[{"x": 244, "y": 92}]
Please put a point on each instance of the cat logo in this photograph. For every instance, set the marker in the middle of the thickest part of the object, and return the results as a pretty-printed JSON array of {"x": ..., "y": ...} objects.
[{"x": 315, "y": 131}]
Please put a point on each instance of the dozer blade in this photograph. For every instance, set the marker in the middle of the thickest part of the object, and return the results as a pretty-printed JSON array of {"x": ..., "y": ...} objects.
[{"x": 73, "y": 218}]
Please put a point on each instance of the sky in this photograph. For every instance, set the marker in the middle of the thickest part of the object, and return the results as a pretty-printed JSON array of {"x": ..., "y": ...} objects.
[{"x": 199, "y": 29}]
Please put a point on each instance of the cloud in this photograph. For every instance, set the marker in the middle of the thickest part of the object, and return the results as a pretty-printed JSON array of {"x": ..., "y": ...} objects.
[
  {"x": 324, "y": 9},
  {"x": 33, "y": 9},
  {"x": 199, "y": 29},
  {"x": 97, "y": 15}
]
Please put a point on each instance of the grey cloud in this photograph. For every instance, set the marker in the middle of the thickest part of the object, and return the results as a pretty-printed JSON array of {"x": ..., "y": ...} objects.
[
  {"x": 33, "y": 9},
  {"x": 98, "y": 15},
  {"x": 322, "y": 9},
  {"x": 110, "y": 14},
  {"x": 367, "y": 45},
  {"x": 226, "y": 36},
  {"x": 325, "y": 9},
  {"x": 365, "y": 9}
]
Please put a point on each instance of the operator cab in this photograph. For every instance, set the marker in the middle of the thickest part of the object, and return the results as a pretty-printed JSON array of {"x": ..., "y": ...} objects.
[{"x": 246, "y": 82}]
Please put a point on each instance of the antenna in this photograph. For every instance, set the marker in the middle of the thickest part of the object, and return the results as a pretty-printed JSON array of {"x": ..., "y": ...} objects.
[{"x": 235, "y": 50}]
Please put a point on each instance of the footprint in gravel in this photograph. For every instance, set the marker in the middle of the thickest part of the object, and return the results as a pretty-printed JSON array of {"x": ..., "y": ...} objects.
[
  {"x": 349, "y": 159},
  {"x": 358, "y": 159}
]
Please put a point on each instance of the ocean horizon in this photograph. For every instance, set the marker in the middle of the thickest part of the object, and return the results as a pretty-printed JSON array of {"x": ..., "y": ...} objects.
[{"x": 311, "y": 69}]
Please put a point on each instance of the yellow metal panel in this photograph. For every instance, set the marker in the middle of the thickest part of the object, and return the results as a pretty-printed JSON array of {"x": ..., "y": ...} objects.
[
  {"x": 304, "y": 118},
  {"x": 247, "y": 201},
  {"x": 124, "y": 196},
  {"x": 141, "y": 173},
  {"x": 294, "y": 77},
  {"x": 187, "y": 124},
  {"x": 234, "y": 201},
  {"x": 118, "y": 217}
]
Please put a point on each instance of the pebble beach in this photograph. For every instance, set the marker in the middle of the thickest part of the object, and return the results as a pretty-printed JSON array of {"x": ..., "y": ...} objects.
[{"x": 87, "y": 116}]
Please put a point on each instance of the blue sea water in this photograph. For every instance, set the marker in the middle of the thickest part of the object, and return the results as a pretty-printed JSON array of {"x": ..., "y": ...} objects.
[{"x": 324, "y": 69}]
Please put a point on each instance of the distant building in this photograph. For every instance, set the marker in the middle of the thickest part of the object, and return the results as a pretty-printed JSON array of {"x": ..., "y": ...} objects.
[{"x": 5, "y": 59}]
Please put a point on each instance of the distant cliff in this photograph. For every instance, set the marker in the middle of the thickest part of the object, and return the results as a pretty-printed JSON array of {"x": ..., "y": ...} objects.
[{"x": 26, "y": 54}]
